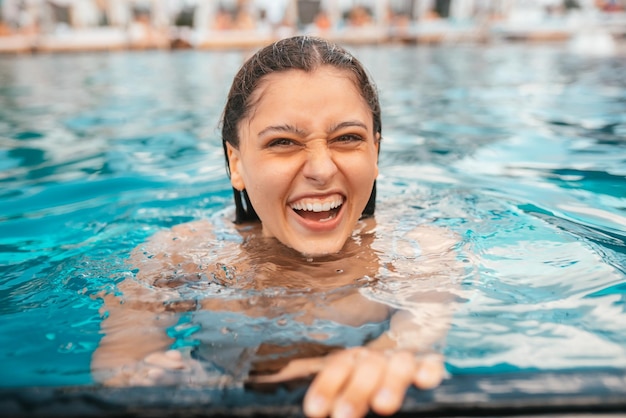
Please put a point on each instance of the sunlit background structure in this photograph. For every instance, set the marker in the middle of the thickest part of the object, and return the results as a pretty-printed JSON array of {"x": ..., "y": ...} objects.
[{"x": 78, "y": 25}]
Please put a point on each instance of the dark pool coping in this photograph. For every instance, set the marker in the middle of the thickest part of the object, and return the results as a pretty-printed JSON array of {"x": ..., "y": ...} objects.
[{"x": 591, "y": 392}]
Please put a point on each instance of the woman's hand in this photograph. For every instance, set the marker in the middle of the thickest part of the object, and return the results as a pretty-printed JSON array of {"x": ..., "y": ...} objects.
[
  {"x": 163, "y": 368},
  {"x": 351, "y": 382},
  {"x": 151, "y": 371}
]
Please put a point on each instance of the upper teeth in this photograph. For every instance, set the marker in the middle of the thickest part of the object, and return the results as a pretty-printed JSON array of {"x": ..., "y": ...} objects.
[{"x": 316, "y": 206}]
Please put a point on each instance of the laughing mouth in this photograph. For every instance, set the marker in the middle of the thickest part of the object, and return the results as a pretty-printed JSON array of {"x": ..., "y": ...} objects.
[{"x": 318, "y": 210}]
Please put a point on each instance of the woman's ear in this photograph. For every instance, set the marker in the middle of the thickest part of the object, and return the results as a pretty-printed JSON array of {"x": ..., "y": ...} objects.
[
  {"x": 234, "y": 165},
  {"x": 377, "y": 141}
]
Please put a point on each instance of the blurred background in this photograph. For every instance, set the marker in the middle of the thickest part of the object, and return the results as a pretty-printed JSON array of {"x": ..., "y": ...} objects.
[
  {"x": 492, "y": 129},
  {"x": 80, "y": 25}
]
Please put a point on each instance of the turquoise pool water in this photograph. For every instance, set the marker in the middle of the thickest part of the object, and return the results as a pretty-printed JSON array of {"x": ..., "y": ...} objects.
[{"x": 519, "y": 149}]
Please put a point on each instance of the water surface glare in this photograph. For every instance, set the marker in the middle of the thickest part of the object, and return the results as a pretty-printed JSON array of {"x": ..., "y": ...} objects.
[{"x": 518, "y": 149}]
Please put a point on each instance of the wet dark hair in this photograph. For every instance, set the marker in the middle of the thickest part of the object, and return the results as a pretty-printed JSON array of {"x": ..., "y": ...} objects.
[{"x": 304, "y": 53}]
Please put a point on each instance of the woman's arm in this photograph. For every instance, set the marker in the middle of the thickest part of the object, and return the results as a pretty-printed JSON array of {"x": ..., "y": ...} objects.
[
  {"x": 377, "y": 376},
  {"x": 352, "y": 381},
  {"x": 132, "y": 333},
  {"x": 134, "y": 349}
]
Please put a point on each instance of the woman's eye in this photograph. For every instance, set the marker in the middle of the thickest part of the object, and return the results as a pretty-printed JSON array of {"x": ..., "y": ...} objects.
[
  {"x": 280, "y": 142},
  {"x": 349, "y": 138}
]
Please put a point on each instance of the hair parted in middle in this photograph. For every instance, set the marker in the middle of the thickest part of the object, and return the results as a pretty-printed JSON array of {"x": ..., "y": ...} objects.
[{"x": 305, "y": 53}]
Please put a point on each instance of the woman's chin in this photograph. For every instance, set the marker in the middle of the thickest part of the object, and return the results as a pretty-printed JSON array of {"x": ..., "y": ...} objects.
[{"x": 321, "y": 248}]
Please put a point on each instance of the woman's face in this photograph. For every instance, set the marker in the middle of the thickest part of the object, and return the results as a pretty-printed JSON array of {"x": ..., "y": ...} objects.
[{"x": 307, "y": 157}]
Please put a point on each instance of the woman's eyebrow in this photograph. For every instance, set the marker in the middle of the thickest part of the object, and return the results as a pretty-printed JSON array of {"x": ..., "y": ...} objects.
[
  {"x": 347, "y": 124},
  {"x": 297, "y": 131},
  {"x": 281, "y": 129}
]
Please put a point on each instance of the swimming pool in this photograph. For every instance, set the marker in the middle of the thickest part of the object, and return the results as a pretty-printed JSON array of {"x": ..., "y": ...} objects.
[{"x": 520, "y": 149}]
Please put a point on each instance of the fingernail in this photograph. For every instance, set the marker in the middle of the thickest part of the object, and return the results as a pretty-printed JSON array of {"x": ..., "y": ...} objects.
[
  {"x": 315, "y": 406},
  {"x": 423, "y": 375},
  {"x": 155, "y": 374},
  {"x": 343, "y": 410},
  {"x": 384, "y": 396},
  {"x": 428, "y": 378}
]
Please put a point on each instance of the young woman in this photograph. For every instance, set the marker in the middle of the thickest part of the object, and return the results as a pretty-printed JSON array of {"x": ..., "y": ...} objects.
[{"x": 301, "y": 135}]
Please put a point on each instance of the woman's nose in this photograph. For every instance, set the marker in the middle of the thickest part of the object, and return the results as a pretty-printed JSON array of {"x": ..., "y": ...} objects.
[{"x": 319, "y": 166}]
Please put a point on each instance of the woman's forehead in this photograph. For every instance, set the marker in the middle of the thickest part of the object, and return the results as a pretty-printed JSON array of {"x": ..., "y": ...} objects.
[
  {"x": 279, "y": 79},
  {"x": 297, "y": 88}
]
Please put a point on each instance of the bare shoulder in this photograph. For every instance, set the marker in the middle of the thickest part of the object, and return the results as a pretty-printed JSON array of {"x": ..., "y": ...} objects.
[
  {"x": 434, "y": 239},
  {"x": 428, "y": 259},
  {"x": 179, "y": 236},
  {"x": 177, "y": 249}
]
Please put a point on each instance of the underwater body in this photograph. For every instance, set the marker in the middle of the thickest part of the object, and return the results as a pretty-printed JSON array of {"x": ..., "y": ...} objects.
[{"x": 520, "y": 150}]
